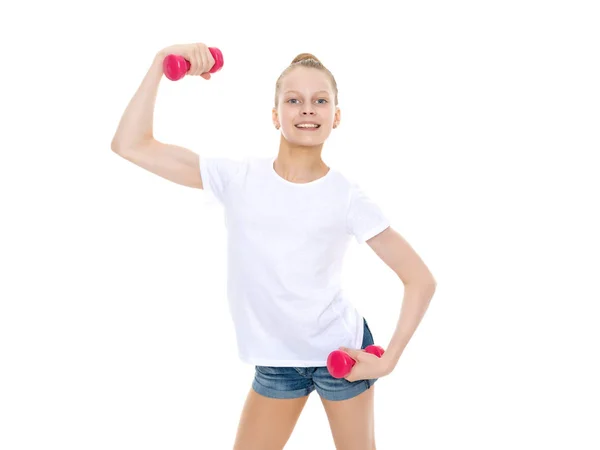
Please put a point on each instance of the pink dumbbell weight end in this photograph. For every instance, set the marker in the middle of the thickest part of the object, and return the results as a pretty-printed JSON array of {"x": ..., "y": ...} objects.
[
  {"x": 339, "y": 363},
  {"x": 175, "y": 66}
]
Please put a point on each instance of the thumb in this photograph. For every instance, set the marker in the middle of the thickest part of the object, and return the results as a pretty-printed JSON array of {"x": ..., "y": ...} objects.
[
  {"x": 206, "y": 75},
  {"x": 351, "y": 351}
]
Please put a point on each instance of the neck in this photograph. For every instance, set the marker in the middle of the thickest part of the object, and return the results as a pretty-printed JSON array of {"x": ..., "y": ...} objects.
[{"x": 298, "y": 163}]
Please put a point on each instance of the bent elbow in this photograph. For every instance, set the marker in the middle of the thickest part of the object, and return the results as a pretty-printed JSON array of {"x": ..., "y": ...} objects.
[{"x": 116, "y": 146}]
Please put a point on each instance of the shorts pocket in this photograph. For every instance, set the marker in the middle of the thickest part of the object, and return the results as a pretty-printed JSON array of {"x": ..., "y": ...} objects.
[
  {"x": 367, "y": 336},
  {"x": 267, "y": 370}
]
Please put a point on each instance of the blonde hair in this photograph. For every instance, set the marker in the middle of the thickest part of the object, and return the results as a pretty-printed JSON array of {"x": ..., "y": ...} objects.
[{"x": 305, "y": 60}]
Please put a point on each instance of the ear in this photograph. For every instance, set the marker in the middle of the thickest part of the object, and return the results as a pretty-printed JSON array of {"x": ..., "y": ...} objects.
[
  {"x": 337, "y": 118},
  {"x": 275, "y": 118}
]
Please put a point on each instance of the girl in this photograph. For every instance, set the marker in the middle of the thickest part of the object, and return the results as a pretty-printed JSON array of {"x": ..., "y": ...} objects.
[{"x": 289, "y": 219}]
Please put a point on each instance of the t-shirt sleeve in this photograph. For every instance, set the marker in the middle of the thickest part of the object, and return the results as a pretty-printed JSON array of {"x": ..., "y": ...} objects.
[
  {"x": 365, "y": 217},
  {"x": 217, "y": 174}
]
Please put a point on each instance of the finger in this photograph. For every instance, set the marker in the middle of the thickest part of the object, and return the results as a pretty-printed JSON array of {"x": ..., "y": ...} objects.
[
  {"x": 353, "y": 375},
  {"x": 193, "y": 61},
  {"x": 210, "y": 60},
  {"x": 350, "y": 375},
  {"x": 204, "y": 59},
  {"x": 198, "y": 58},
  {"x": 206, "y": 76}
]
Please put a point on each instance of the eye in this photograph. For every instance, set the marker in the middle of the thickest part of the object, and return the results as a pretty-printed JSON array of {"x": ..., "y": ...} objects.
[{"x": 321, "y": 100}]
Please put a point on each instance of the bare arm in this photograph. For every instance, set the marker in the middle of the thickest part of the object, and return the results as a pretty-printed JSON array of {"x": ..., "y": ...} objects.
[
  {"x": 419, "y": 287},
  {"x": 134, "y": 139}
]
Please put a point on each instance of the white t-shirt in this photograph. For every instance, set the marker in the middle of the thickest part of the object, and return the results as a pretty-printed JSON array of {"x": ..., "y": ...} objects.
[{"x": 285, "y": 247}]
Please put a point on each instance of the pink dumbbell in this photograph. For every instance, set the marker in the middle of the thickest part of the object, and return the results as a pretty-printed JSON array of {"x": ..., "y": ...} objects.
[
  {"x": 175, "y": 66},
  {"x": 339, "y": 363}
]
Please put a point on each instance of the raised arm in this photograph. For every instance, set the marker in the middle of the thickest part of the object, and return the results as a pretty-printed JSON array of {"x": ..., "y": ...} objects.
[{"x": 134, "y": 139}]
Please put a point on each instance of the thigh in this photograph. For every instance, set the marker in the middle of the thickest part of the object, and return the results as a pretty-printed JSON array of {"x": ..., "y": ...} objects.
[
  {"x": 267, "y": 423},
  {"x": 352, "y": 421}
]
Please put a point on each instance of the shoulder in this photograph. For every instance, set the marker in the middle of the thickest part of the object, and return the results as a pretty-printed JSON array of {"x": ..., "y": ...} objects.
[
  {"x": 227, "y": 165},
  {"x": 348, "y": 182}
]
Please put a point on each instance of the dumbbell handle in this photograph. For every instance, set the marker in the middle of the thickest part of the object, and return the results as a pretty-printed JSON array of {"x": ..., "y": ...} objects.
[
  {"x": 339, "y": 363},
  {"x": 176, "y": 66}
]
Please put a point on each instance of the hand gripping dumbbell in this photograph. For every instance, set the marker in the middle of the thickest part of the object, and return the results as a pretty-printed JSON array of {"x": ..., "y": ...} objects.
[
  {"x": 176, "y": 66},
  {"x": 340, "y": 363}
]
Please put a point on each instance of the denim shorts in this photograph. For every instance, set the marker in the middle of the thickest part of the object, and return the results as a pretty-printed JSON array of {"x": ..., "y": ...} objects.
[{"x": 294, "y": 382}]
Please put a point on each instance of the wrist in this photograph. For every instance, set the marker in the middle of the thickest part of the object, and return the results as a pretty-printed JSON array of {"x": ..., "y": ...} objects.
[
  {"x": 157, "y": 63},
  {"x": 160, "y": 56}
]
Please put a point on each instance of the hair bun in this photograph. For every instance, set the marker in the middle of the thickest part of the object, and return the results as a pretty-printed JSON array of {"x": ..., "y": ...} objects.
[{"x": 304, "y": 56}]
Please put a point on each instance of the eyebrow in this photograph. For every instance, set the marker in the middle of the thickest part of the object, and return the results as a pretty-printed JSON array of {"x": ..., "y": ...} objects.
[{"x": 296, "y": 92}]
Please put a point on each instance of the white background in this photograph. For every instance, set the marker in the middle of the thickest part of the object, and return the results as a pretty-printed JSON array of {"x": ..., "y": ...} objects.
[{"x": 473, "y": 124}]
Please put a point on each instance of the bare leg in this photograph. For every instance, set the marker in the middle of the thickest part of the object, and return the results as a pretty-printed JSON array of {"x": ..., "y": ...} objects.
[
  {"x": 352, "y": 421},
  {"x": 267, "y": 423}
]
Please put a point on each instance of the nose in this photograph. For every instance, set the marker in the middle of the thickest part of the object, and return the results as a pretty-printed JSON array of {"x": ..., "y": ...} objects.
[{"x": 307, "y": 110}]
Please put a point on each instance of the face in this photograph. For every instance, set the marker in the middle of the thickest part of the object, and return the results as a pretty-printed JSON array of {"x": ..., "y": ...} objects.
[{"x": 306, "y": 99}]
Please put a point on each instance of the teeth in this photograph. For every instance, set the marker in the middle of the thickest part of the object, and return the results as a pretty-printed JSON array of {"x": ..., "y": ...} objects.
[{"x": 307, "y": 125}]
